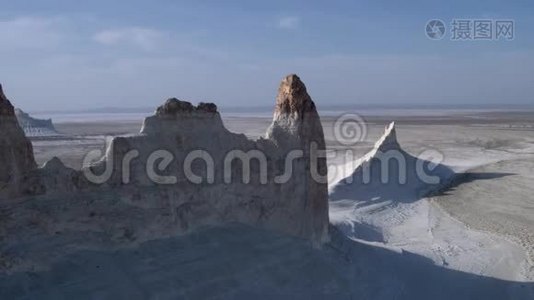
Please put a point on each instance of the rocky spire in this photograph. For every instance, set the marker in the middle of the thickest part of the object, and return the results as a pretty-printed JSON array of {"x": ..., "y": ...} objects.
[
  {"x": 6, "y": 109},
  {"x": 16, "y": 151},
  {"x": 297, "y": 126},
  {"x": 2, "y": 95},
  {"x": 388, "y": 141},
  {"x": 293, "y": 99},
  {"x": 295, "y": 114}
]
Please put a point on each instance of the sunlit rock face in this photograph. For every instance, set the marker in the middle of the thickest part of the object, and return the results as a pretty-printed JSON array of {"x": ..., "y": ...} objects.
[
  {"x": 185, "y": 170},
  {"x": 296, "y": 125},
  {"x": 235, "y": 179},
  {"x": 16, "y": 151}
]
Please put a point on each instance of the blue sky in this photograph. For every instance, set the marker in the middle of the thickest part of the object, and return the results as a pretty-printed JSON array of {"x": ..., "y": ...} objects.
[{"x": 73, "y": 55}]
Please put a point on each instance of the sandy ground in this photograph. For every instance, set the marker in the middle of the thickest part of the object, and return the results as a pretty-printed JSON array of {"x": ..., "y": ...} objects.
[
  {"x": 476, "y": 235},
  {"x": 503, "y": 200}
]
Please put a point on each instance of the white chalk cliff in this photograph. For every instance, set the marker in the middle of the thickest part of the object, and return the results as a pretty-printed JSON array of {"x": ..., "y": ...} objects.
[
  {"x": 297, "y": 206},
  {"x": 35, "y": 127}
]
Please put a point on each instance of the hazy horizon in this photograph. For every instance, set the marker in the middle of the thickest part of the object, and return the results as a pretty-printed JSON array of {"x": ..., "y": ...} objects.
[{"x": 70, "y": 56}]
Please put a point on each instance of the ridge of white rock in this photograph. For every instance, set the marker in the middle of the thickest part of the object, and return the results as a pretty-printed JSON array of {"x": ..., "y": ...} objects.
[
  {"x": 297, "y": 206},
  {"x": 387, "y": 142},
  {"x": 35, "y": 127},
  {"x": 243, "y": 188},
  {"x": 387, "y": 181},
  {"x": 388, "y": 167}
]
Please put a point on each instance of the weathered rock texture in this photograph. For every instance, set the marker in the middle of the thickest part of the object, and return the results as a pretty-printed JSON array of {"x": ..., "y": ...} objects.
[
  {"x": 55, "y": 177},
  {"x": 231, "y": 178},
  {"x": 34, "y": 127},
  {"x": 297, "y": 205},
  {"x": 297, "y": 125},
  {"x": 16, "y": 151}
]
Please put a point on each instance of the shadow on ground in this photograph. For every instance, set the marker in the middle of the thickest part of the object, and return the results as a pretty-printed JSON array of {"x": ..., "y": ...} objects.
[
  {"x": 467, "y": 177},
  {"x": 381, "y": 183},
  {"x": 400, "y": 178},
  {"x": 239, "y": 262}
]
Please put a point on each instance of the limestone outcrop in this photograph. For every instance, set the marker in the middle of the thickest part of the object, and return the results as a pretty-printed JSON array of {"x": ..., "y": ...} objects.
[
  {"x": 185, "y": 170},
  {"x": 296, "y": 125},
  {"x": 35, "y": 127},
  {"x": 55, "y": 177},
  {"x": 16, "y": 151},
  {"x": 214, "y": 176}
]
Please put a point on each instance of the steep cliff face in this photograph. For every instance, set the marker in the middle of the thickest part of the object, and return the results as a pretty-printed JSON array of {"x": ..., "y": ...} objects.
[
  {"x": 214, "y": 176},
  {"x": 35, "y": 127},
  {"x": 186, "y": 170},
  {"x": 297, "y": 126},
  {"x": 16, "y": 151}
]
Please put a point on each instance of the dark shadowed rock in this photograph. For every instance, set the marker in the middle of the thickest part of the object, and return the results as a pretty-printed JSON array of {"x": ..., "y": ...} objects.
[
  {"x": 16, "y": 151},
  {"x": 6, "y": 109},
  {"x": 181, "y": 116},
  {"x": 174, "y": 106},
  {"x": 58, "y": 178},
  {"x": 207, "y": 107}
]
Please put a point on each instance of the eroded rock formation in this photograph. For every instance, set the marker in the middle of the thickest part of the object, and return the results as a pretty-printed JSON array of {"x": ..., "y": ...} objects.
[
  {"x": 185, "y": 170},
  {"x": 296, "y": 125},
  {"x": 223, "y": 162},
  {"x": 16, "y": 151},
  {"x": 55, "y": 177},
  {"x": 34, "y": 127},
  {"x": 388, "y": 172}
]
